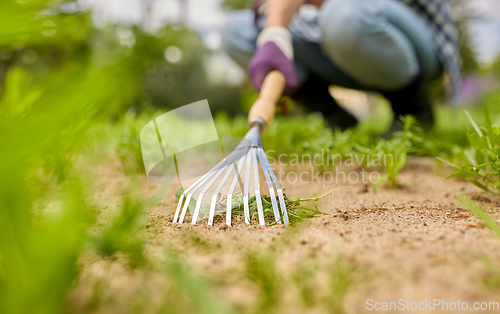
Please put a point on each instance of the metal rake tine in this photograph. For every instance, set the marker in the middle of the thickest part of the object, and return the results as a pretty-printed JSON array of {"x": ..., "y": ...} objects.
[
  {"x": 209, "y": 184},
  {"x": 198, "y": 184},
  {"x": 265, "y": 169},
  {"x": 231, "y": 189},
  {"x": 257, "y": 187},
  {"x": 195, "y": 187},
  {"x": 178, "y": 209},
  {"x": 185, "y": 207},
  {"x": 246, "y": 211},
  {"x": 181, "y": 198},
  {"x": 218, "y": 189},
  {"x": 278, "y": 189},
  {"x": 186, "y": 191}
]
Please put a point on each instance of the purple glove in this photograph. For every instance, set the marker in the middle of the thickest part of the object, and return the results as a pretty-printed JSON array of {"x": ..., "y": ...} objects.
[{"x": 268, "y": 58}]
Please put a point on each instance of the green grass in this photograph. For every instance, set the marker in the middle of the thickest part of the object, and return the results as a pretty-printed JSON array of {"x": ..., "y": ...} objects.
[
  {"x": 394, "y": 152},
  {"x": 296, "y": 210},
  {"x": 481, "y": 163},
  {"x": 480, "y": 214},
  {"x": 304, "y": 278},
  {"x": 341, "y": 280},
  {"x": 191, "y": 293},
  {"x": 492, "y": 280},
  {"x": 261, "y": 269}
]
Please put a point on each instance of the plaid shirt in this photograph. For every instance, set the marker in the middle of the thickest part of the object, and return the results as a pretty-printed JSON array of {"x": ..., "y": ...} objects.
[{"x": 437, "y": 14}]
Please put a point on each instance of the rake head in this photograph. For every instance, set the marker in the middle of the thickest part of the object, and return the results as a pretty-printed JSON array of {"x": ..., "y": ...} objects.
[{"x": 246, "y": 158}]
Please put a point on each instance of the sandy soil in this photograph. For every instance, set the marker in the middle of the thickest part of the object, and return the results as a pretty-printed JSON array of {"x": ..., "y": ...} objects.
[{"x": 409, "y": 243}]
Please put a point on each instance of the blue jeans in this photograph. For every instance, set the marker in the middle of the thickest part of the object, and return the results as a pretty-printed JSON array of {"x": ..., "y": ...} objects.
[{"x": 367, "y": 45}]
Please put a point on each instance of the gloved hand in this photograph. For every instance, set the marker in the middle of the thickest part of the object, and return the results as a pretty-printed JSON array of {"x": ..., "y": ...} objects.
[{"x": 274, "y": 52}]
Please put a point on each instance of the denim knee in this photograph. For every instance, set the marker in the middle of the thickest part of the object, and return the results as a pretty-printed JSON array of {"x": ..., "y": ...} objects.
[
  {"x": 239, "y": 36},
  {"x": 358, "y": 38}
]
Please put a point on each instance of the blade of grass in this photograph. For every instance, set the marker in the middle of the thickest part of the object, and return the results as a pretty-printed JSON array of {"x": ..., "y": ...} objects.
[
  {"x": 480, "y": 213},
  {"x": 474, "y": 125}
]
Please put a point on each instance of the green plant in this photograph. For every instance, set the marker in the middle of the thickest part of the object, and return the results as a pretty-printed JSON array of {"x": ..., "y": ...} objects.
[
  {"x": 483, "y": 157},
  {"x": 261, "y": 269},
  {"x": 304, "y": 278},
  {"x": 493, "y": 278},
  {"x": 392, "y": 153},
  {"x": 189, "y": 293},
  {"x": 480, "y": 213},
  {"x": 341, "y": 280},
  {"x": 295, "y": 209},
  {"x": 123, "y": 234},
  {"x": 129, "y": 143}
]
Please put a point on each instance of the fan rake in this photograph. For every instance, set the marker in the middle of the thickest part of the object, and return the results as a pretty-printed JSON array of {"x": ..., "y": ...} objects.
[{"x": 246, "y": 158}]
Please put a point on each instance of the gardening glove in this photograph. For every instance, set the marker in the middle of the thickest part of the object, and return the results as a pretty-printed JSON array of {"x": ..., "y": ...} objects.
[{"x": 274, "y": 52}]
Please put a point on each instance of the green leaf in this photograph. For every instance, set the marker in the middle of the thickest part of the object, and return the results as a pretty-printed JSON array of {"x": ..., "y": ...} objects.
[
  {"x": 481, "y": 186},
  {"x": 179, "y": 192},
  {"x": 408, "y": 184},
  {"x": 192, "y": 201},
  {"x": 461, "y": 172},
  {"x": 489, "y": 128},
  {"x": 448, "y": 163},
  {"x": 401, "y": 163},
  {"x": 478, "y": 130},
  {"x": 383, "y": 178},
  {"x": 479, "y": 212}
]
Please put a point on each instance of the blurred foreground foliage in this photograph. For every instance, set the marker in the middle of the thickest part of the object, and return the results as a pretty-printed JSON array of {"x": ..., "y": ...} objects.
[
  {"x": 45, "y": 118},
  {"x": 62, "y": 81}
]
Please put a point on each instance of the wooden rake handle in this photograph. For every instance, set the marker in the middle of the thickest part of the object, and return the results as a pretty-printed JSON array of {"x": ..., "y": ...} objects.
[{"x": 270, "y": 93}]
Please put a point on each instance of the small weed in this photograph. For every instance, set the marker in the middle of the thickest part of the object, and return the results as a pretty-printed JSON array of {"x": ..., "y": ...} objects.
[
  {"x": 124, "y": 233},
  {"x": 492, "y": 278},
  {"x": 261, "y": 269},
  {"x": 288, "y": 235},
  {"x": 483, "y": 157},
  {"x": 304, "y": 278},
  {"x": 200, "y": 242},
  {"x": 191, "y": 294},
  {"x": 295, "y": 209},
  {"x": 341, "y": 280},
  {"x": 394, "y": 153},
  {"x": 480, "y": 213},
  {"x": 129, "y": 144}
]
